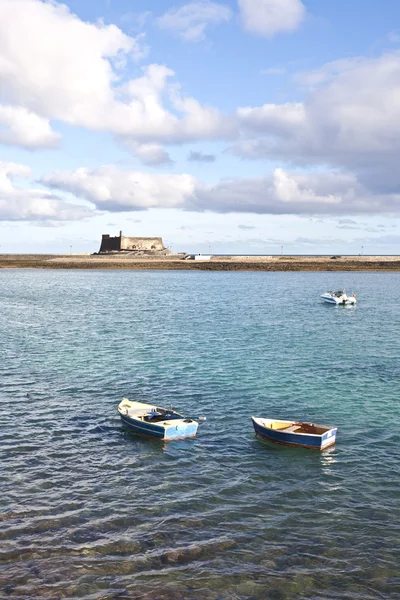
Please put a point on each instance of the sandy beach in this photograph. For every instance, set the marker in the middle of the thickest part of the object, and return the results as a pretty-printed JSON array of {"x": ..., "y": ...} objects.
[{"x": 216, "y": 263}]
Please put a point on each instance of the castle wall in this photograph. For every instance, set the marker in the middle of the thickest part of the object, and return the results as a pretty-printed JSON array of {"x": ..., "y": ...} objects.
[{"x": 141, "y": 243}]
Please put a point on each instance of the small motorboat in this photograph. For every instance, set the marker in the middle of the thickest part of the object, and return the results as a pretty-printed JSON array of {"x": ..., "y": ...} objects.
[
  {"x": 339, "y": 298},
  {"x": 163, "y": 423},
  {"x": 295, "y": 433}
]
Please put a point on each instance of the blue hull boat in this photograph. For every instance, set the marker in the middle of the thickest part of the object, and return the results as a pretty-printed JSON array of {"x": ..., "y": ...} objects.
[
  {"x": 155, "y": 421},
  {"x": 295, "y": 433}
]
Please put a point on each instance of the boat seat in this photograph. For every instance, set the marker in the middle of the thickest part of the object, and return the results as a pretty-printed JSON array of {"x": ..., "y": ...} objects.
[
  {"x": 292, "y": 428},
  {"x": 135, "y": 413}
]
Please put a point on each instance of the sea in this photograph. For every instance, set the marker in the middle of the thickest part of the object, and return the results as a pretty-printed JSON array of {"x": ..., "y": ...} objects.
[{"x": 90, "y": 510}]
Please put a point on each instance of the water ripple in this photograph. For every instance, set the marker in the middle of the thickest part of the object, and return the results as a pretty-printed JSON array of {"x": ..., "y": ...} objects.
[{"x": 89, "y": 510}]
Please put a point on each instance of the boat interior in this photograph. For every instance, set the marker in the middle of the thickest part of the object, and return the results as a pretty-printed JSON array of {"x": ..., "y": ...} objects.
[
  {"x": 156, "y": 415},
  {"x": 161, "y": 415},
  {"x": 147, "y": 412},
  {"x": 294, "y": 427}
]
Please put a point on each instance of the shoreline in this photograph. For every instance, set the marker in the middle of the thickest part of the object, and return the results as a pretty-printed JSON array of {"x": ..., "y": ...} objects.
[{"x": 216, "y": 263}]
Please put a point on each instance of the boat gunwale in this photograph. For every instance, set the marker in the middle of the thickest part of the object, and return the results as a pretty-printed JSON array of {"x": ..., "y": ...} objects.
[{"x": 167, "y": 422}]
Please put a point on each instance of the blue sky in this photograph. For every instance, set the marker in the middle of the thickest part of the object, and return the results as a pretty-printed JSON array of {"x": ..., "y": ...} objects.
[{"x": 236, "y": 126}]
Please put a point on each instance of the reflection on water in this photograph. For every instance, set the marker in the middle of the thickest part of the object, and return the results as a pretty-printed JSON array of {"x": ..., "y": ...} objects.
[
  {"x": 328, "y": 458},
  {"x": 90, "y": 510}
]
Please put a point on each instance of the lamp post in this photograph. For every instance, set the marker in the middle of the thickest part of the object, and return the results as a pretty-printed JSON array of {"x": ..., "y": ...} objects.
[
  {"x": 362, "y": 250},
  {"x": 281, "y": 250}
]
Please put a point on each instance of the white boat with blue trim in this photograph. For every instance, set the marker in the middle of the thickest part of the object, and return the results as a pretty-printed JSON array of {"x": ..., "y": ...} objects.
[
  {"x": 163, "y": 423},
  {"x": 295, "y": 433},
  {"x": 339, "y": 297}
]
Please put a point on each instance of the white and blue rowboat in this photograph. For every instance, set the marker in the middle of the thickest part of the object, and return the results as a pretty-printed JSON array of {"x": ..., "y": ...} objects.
[
  {"x": 163, "y": 423},
  {"x": 295, "y": 433},
  {"x": 339, "y": 298}
]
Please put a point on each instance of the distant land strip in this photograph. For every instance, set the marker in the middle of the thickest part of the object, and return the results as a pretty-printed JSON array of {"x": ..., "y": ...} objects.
[{"x": 216, "y": 263}]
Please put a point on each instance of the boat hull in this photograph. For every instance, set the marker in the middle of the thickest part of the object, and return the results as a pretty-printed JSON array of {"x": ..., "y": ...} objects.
[
  {"x": 329, "y": 300},
  {"x": 303, "y": 440},
  {"x": 165, "y": 431}
]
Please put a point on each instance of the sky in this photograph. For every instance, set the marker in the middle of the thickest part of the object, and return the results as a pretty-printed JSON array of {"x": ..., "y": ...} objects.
[{"x": 226, "y": 127}]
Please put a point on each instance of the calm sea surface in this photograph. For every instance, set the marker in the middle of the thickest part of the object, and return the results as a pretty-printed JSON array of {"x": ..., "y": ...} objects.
[{"x": 89, "y": 510}]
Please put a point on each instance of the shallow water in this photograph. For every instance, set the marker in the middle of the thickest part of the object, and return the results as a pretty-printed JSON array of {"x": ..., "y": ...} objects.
[{"x": 89, "y": 510}]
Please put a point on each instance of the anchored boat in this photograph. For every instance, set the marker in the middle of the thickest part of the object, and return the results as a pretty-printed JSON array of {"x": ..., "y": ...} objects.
[
  {"x": 339, "y": 298},
  {"x": 295, "y": 433},
  {"x": 163, "y": 423}
]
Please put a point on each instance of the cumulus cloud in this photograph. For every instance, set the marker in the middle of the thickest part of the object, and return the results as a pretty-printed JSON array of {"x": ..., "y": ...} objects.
[
  {"x": 121, "y": 190},
  {"x": 149, "y": 154},
  {"x": 145, "y": 118},
  {"x": 85, "y": 83},
  {"x": 273, "y": 119},
  {"x": 286, "y": 193},
  {"x": 350, "y": 119},
  {"x": 48, "y": 73},
  {"x": 200, "y": 157},
  {"x": 23, "y": 128},
  {"x": 191, "y": 20},
  {"x": 269, "y": 17},
  {"x": 24, "y": 203},
  {"x": 282, "y": 192}
]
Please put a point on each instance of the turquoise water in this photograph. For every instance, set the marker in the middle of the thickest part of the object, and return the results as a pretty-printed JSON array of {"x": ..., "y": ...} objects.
[{"x": 89, "y": 510}]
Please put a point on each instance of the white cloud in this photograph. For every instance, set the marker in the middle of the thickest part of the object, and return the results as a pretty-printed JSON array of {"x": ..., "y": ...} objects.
[
  {"x": 269, "y": 17},
  {"x": 145, "y": 119},
  {"x": 149, "y": 154},
  {"x": 21, "y": 203},
  {"x": 328, "y": 71},
  {"x": 115, "y": 190},
  {"x": 120, "y": 190},
  {"x": 191, "y": 20},
  {"x": 286, "y": 193},
  {"x": 350, "y": 120},
  {"x": 45, "y": 77},
  {"x": 20, "y": 127},
  {"x": 55, "y": 64},
  {"x": 273, "y": 119}
]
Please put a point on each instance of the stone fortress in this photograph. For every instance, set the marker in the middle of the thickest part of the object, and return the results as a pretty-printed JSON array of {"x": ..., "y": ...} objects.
[{"x": 139, "y": 245}]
